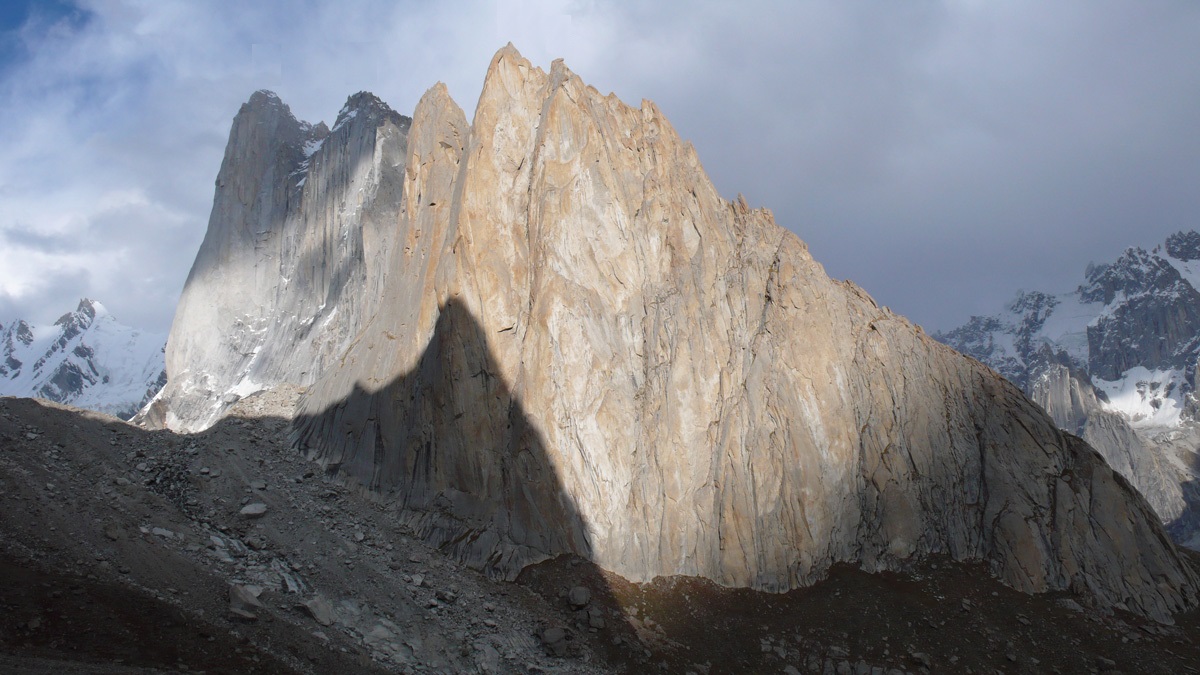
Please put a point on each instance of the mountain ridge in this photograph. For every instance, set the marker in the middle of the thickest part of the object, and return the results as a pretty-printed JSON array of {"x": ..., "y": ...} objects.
[
  {"x": 556, "y": 295},
  {"x": 86, "y": 358}
]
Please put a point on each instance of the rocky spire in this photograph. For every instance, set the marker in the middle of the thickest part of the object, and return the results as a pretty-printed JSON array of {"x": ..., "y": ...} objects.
[{"x": 300, "y": 222}]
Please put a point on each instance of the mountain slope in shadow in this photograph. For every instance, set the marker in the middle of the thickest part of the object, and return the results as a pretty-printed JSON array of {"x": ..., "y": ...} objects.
[{"x": 451, "y": 444}]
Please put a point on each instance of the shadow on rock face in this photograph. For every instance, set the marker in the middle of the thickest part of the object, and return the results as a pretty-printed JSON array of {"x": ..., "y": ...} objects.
[
  {"x": 448, "y": 444},
  {"x": 1185, "y": 529}
]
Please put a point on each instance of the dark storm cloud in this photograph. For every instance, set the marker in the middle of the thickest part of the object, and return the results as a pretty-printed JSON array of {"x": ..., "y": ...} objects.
[
  {"x": 941, "y": 154},
  {"x": 945, "y": 154}
]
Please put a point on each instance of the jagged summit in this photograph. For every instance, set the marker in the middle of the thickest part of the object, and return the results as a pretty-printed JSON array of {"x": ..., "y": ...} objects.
[
  {"x": 265, "y": 98},
  {"x": 1184, "y": 246},
  {"x": 366, "y": 103},
  {"x": 265, "y": 103},
  {"x": 85, "y": 358},
  {"x": 545, "y": 332},
  {"x": 88, "y": 308}
]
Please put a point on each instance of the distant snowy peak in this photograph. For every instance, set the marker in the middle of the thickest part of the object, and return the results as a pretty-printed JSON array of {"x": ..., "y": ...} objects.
[
  {"x": 1033, "y": 329},
  {"x": 1137, "y": 272},
  {"x": 1115, "y": 362},
  {"x": 85, "y": 358},
  {"x": 1132, "y": 326}
]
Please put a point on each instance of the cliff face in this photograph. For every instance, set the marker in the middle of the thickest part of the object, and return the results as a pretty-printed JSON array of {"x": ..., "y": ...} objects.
[
  {"x": 1070, "y": 399},
  {"x": 1156, "y": 324},
  {"x": 579, "y": 346},
  {"x": 280, "y": 284}
]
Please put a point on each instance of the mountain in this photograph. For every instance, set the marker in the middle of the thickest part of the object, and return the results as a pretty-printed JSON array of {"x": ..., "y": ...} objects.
[
  {"x": 543, "y": 332},
  {"x": 85, "y": 359},
  {"x": 1114, "y": 361},
  {"x": 300, "y": 215}
]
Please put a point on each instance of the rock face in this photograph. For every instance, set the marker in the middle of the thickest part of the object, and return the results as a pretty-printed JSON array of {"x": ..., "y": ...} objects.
[
  {"x": 280, "y": 285},
  {"x": 578, "y": 346},
  {"x": 1115, "y": 363},
  {"x": 86, "y": 359},
  {"x": 1155, "y": 323}
]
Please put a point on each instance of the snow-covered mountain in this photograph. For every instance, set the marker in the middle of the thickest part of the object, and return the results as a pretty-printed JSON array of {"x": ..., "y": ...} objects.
[
  {"x": 86, "y": 359},
  {"x": 1114, "y": 361}
]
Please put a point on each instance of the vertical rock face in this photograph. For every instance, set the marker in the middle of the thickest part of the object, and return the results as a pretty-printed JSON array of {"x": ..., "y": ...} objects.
[
  {"x": 579, "y": 346},
  {"x": 1071, "y": 401},
  {"x": 1157, "y": 324},
  {"x": 281, "y": 283}
]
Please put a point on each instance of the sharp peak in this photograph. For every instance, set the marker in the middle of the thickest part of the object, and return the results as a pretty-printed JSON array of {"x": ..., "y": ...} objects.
[
  {"x": 558, "y": 73},
  {"x": 363, "y": 101},
  {"x": 87, "y": 308},
  {"x": 507, "y": 53},
  {"x": 508, "y": 68},
  {"x": 439, "y": 88},
  {"x": 439, "y": 92},
  {"x": 507, "y": 49},
  {"x": 265, "y": 98},
  {"x": 271, "y": 104}
]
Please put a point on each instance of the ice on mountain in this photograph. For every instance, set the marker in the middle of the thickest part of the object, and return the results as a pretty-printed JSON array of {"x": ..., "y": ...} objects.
[
  {"x": 1147, "y": 398},
  {"x": 311, "y": 146},
  {"x": 86, "y": 359}
]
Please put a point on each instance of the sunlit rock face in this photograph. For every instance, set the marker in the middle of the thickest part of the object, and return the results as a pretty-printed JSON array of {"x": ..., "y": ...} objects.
[{"x": 576, "y": 345}]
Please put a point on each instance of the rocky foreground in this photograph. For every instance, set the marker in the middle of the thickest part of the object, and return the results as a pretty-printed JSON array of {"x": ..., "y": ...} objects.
[{"x": 127, "y": 551}]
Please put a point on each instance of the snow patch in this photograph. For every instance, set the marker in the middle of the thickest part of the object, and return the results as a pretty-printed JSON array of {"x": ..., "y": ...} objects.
[
  {"x": 1066, "y": 325},
  {"x": 311, "y": 147},
  {"x": 344, "y": 118},
  {"x": 245, "y": 388},
  {"x": 1149, "y": 399},
  {"x": 1188, "y": 269}
]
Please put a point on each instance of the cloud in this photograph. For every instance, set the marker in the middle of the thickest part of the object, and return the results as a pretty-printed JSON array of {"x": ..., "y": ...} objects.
[{"x": 941, "y": 154}]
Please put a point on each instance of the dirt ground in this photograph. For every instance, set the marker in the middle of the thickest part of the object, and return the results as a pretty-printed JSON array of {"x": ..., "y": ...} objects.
[
  {"x": 941, "y": 617},
  {"x": 127, "y": 551}
]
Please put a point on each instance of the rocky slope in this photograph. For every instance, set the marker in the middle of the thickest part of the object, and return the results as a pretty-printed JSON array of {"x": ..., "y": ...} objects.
[
  {"x": 578, "y": 347},
  {"x": 131, "y": 551},
  {"x": 1114, "y": 361},
  {"x": 138, "y": 548},
  {"x": 86, "y": 359}
]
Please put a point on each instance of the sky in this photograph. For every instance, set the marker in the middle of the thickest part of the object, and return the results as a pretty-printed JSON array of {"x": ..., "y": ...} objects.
[{"x": 941, "y": 154}]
